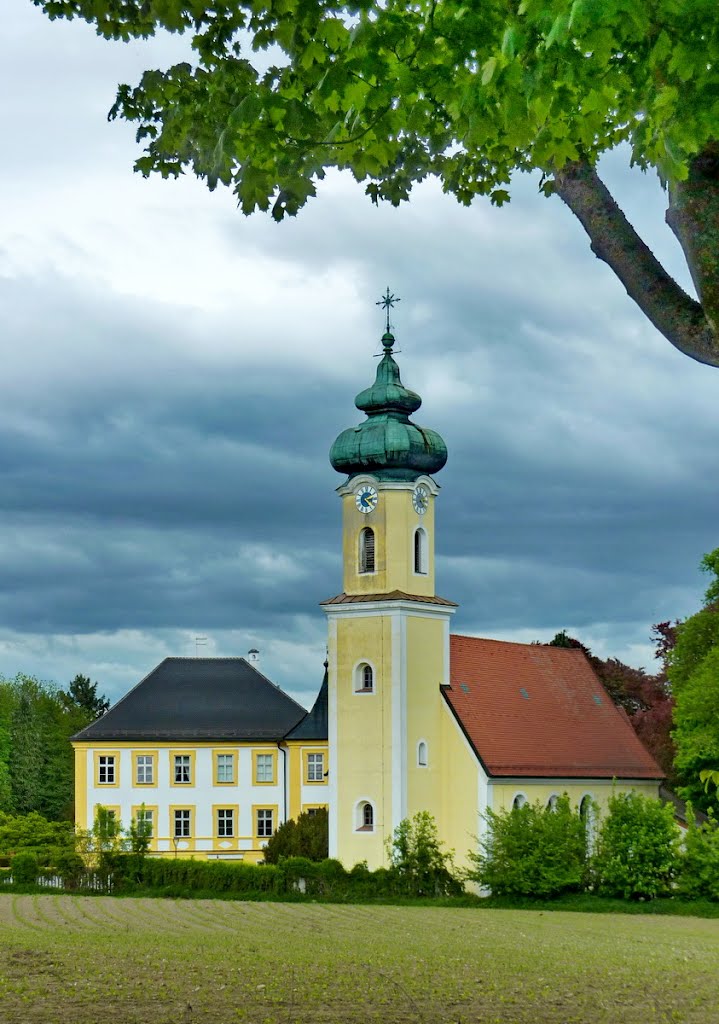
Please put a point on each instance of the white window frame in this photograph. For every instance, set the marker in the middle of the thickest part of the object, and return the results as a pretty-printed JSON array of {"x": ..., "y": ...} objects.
[
  {"x": 358, "y": 677},
  {"x": 106, "y": 766},
  {"x": 183, "y": 819},
  {"x": 183, "y": 765},
  {"x": 225, "y": 762},
  {"x": 265, "y": 768},
  {"x": 519, "y": 801},
  {"x": 315, "y": 767},
  {"x": 144, "y": 767},
  {"x": 362, "y": 807},
  {"x": 225, "y": 821},
  {"x": 265, "y": 822},
  {"x": 146, "y": 817}
]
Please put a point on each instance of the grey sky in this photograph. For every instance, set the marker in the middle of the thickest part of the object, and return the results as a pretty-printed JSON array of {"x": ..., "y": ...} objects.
[{"x": 173, "y": 375}]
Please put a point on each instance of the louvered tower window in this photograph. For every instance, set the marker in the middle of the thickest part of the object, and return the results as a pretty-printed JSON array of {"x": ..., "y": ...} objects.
[{"x": 366, "y": 550}]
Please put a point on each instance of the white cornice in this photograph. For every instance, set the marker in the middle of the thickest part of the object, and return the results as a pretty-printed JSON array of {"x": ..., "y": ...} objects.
[
  {"x": 350, "y": 486},
  {"x": 367, "y": 608}
]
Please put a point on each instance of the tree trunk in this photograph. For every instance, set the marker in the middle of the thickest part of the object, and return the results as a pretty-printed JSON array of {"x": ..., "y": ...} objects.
[{"x": 693, "y": 216}]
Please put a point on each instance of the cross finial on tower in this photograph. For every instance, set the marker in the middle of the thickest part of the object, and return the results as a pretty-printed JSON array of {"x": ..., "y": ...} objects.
[{"x": 387, "y": 302}]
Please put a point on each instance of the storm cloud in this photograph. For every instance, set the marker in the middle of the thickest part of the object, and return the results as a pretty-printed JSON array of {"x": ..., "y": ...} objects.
[{"x": 173, "y": 375}]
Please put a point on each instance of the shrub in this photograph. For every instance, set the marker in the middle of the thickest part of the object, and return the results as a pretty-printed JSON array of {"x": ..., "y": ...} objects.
[
  {"x": 637, "y": 852},
  {"x": 699, "y": 871},
  {"x": 25, "y": 868},
  {"x": 70, "y": 867},
  {"x": 306, "y": 836},
  {"x": 532, "y": 850},
  {"x": 23, "y": 831},
  {"x": 419, "y": 867}
]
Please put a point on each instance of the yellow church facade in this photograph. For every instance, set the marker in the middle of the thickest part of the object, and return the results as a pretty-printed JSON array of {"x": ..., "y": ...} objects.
[{"x": 410, "y": 717}]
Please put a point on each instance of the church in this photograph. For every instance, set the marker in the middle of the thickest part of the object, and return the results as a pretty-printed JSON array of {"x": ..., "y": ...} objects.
[{"x": 409, "y": 717}]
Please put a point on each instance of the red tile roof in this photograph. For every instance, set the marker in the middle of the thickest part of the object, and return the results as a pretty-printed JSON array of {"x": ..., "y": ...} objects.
[{"x": 533, "y": 710}]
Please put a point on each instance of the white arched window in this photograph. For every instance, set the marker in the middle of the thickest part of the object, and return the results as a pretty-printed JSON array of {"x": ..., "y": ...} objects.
[
  {"x": 366, "y": 550},
  {"x": 364, "y": 678},
  {"x": 552, "y": 802},
  {"x": 420, "y": 551},
  {"x": 364, "y": 817},
  {"x": 422, "y": 754},
  {"x": 519, "y": 801}
]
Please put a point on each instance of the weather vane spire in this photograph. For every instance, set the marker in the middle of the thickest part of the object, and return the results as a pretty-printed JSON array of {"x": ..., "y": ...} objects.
[{"x": 387, "y": 302}]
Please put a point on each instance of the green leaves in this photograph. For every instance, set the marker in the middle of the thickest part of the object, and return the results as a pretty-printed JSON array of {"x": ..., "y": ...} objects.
[{"x": 394, "y": 91}]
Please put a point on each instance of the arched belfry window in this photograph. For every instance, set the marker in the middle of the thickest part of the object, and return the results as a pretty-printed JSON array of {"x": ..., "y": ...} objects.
[
  {"x": 366, "y": 550},
  {"x": 420, "y": 551}
]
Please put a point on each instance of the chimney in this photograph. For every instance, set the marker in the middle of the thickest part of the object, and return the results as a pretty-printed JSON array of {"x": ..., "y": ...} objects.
[{"x": 253, "y": 656}]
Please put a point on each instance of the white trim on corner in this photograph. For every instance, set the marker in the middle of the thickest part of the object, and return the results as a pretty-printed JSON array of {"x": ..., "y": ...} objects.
[
  {"x": 332, "y": 739},
  {"x": 399, "y": 720}
]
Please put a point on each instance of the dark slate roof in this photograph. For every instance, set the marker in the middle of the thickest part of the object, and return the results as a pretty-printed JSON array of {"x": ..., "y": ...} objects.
[
  {"x": 314, "y": 725},
  {"x": 199, "y": 699}
]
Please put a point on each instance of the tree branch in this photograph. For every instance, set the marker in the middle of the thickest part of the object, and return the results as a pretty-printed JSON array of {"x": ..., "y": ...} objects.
[{"x": 678, "y": 316}]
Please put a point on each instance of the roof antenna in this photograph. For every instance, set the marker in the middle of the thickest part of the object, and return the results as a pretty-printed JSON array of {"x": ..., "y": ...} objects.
[{"x": 200, "y": 641}]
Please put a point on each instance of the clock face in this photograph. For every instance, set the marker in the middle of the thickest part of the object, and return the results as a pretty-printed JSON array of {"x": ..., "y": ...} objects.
[
  {"x": 366, "y": 499},
  {"x": 420, "y": 500}
]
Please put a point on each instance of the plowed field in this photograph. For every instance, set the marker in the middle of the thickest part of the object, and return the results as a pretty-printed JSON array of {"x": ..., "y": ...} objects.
[{"x": 131, "y": 961}]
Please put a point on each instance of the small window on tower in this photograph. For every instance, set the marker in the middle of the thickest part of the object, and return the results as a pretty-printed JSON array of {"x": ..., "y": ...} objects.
[
  {"x": 420, "y": 551},
  {"x": 366, "y": 550},
  {"x": 364, "y": 679},
  {"x": 364, "y": 820}
]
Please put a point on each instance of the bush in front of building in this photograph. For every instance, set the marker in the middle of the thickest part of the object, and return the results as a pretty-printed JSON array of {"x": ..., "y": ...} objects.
[
  {"x": 418, "y": 864},
  {"x": 699, "y": 864},
  {"x": 637, "y": 854},
  {"x": 532, "y": 850},
  {"x": 306, "y": 836}
]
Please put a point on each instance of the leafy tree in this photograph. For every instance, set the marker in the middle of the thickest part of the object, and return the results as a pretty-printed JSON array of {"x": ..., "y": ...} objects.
[
  {"x": 26, "y": 761},
  {"x": 307, "y": 836},
  {"x": 693, "y": 666},
  {"x": 419, "y": 865},
  {"x": 637, "y": 854},
  {"x": 82, "y": 694},
  {"x": 699, "y": 874},
  {"x": 469, "y": 92},
  {"x": 36, "y": 758},
  {"x": 532, "y": 850}
]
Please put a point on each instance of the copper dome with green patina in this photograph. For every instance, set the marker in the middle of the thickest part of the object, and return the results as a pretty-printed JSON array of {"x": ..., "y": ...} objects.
[{"x": 387, "y": 444}]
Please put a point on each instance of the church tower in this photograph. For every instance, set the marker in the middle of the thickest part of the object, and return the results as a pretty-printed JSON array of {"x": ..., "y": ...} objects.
[{"x": 388, "y": 630}]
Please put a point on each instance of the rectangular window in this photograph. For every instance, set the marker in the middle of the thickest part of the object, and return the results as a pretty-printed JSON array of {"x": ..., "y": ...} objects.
[
  {"x": 225, "y": 768},
  {"x": 264, "y": 823},
  {"x": 182, "y": 770},
  {"x": 144, "y": 822},
  {"x": 182, "y": 824},
  {"x": 145, "y": 770},
  {"x": 315, "y": 767},
  {"x": 106, "y": 770},
  {"x": 225, "y": 822},
  {"x": 264, "y": 768}
]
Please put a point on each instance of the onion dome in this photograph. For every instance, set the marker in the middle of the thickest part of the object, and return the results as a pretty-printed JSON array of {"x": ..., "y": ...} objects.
[{"x": 387, "y": 444}]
